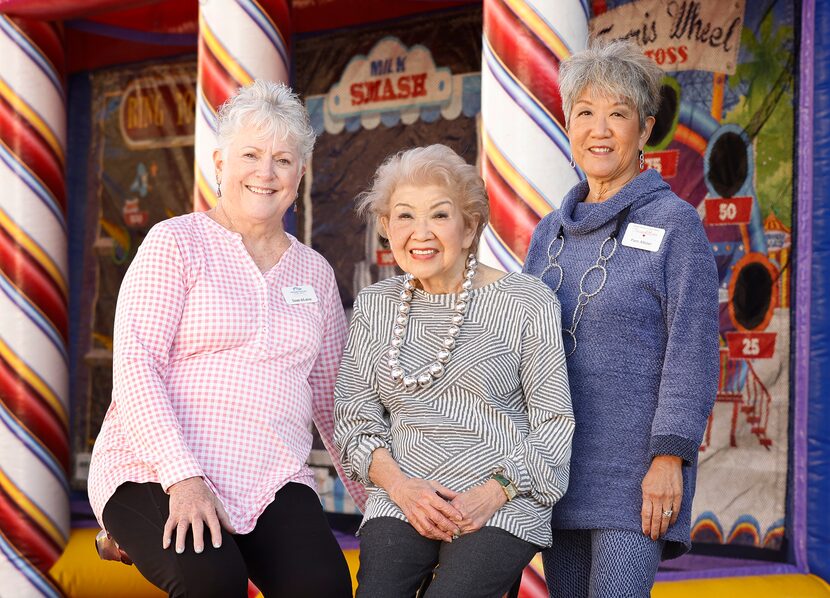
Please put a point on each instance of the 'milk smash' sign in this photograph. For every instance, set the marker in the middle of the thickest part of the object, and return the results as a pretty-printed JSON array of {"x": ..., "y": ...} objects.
[{"x": 391, "y": 78}]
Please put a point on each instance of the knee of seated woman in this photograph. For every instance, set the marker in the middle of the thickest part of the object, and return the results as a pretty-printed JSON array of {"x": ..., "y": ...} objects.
[{"x": 210, "y": 579}]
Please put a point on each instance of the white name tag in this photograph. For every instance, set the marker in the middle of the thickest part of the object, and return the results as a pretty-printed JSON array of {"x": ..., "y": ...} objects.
[
  {"x": 296, "y": 295},
  {"x": 640, "y": 236}
]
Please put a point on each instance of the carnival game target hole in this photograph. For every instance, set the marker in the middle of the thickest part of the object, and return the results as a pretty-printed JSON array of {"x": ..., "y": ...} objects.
[
  {"x": 666, "y": 116},
  {"x": 728, "y": 164},
  {"x": 753, "y": 295}
]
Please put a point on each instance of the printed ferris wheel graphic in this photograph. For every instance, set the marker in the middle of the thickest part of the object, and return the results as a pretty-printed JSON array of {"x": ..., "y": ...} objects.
[
  {"x": 752, "y": 253},
  {"x": 753, "y": 257}
]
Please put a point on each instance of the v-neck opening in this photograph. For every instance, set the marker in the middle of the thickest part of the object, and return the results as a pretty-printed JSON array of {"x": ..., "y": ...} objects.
[{"x": 237, "y": 238}]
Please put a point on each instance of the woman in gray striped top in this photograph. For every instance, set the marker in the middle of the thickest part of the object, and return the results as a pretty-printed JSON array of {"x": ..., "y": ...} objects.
[{"x": 452, "y": 402}]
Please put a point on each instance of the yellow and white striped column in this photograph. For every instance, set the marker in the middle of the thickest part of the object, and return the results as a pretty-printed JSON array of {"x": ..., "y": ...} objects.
[
  {"x": 526, "y": 155},
  {"x": 239, "y": 41},
  {"x": 34, "y": 448}
]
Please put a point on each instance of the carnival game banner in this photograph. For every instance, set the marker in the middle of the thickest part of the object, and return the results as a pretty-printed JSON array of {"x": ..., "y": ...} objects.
[
  {"x": 371, "y": 92},
  {"x": 140, "y": 172},
  {"x": 724, "y": 142},
  {"x": 679, "y": 36}
]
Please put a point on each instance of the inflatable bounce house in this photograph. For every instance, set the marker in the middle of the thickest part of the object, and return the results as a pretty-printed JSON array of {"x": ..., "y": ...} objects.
[{"x": 107, "y": 115}]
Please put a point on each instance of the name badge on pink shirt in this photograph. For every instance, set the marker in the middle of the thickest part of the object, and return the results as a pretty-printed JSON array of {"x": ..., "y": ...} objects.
[{"x": 298, "y": 295}]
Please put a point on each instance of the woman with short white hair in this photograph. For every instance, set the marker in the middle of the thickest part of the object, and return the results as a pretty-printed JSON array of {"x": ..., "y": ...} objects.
[
  {"x": 452, "y": 401},
  {"x": 228, "y": 335},
  {"x": 632, "y": 266}
]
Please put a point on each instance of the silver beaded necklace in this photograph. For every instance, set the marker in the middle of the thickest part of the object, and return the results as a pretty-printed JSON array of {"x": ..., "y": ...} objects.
[
  {"x": 607, "y": 249},
  {"x": 436, "y": 369}
]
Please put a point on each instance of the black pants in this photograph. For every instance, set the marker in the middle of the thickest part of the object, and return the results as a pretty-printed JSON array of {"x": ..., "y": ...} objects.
[
  {"x": 291, "y": 551},
  {"x": 395, "y": 559}
]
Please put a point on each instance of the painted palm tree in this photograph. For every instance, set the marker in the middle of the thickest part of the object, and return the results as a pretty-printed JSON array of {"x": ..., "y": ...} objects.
[{"x": 769, "y": 72}]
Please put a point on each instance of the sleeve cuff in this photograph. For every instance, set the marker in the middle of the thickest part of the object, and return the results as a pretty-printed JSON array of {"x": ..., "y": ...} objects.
[
  {"x": 677, "y": 446},
  {"x": 176, "y": 471},
  {"x": 361, "y": 459}
]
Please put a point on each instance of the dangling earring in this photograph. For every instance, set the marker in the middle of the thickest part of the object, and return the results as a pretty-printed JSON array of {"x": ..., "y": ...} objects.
[
  {"x": 218, "y": 189},
  {"x": 572, "y": 163},
  {"x": 642, "y": 160}
]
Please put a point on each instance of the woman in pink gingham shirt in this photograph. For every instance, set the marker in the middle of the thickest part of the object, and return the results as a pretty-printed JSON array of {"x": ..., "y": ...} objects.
[{"x": 228, "y": 335}]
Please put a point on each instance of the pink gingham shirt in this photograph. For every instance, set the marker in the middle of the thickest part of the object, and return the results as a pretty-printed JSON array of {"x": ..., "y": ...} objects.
[{"x": 215, "y": 373}]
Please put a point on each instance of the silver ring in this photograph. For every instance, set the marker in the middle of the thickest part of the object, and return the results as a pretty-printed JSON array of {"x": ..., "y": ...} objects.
[{"x": 668, "y": 513}]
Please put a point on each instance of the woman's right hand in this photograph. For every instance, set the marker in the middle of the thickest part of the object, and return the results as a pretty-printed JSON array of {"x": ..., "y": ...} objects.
[
  {"x": 192, "y": 505},
  {"x": 426, "y": 505}
]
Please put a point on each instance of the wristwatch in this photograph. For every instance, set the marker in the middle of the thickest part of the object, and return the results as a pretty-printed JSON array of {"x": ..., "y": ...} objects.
[{"x": 509, "y": 487}]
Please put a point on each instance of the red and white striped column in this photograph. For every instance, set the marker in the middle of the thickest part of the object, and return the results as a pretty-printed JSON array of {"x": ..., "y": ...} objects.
[
  {"x": 239, "y": 41},
  {"x": 526, "y": 155},
  {"x": 34, "y": 447}
]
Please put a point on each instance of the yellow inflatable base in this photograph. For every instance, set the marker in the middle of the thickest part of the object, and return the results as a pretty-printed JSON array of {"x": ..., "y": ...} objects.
[
  {"x": 757, "y": 586},
  {"x": 82, "y": 574}
]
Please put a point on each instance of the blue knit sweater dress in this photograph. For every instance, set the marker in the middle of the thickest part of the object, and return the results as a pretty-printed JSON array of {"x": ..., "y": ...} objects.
[{"x": 644, "y": 375}]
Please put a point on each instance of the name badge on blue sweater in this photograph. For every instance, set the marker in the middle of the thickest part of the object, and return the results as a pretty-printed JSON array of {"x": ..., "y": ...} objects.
[{"x": 640, "y": 236}]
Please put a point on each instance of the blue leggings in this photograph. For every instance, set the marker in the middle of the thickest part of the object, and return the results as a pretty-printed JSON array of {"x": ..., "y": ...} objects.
[{"x": 601, "y": 563}]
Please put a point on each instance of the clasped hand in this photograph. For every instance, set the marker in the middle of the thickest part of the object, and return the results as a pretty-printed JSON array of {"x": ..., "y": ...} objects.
[
  {"x": 438, "y": 513},
  {"x": 194, "y": 505}
]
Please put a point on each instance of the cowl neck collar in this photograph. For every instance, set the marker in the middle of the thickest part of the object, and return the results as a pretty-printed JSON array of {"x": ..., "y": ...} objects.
[{"x": 642, "y": 187}]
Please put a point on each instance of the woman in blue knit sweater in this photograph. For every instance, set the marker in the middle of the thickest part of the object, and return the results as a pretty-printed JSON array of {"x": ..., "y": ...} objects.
[{"x": 638, "y": 286}]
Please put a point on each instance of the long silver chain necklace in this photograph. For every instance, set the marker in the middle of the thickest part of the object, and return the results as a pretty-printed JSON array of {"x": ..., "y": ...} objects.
[
  {"x": 607, "y": 249},
  {"x": 442, "y": 357}
]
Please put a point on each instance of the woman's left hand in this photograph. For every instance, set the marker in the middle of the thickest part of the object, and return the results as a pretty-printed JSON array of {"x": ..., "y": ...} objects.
[
  {"x": 478, "y": 504},
  {"x": 662, "y": 492}
]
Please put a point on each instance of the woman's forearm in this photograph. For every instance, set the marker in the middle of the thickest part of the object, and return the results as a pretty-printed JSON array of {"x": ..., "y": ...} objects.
[{"x": 384, "y": 471}]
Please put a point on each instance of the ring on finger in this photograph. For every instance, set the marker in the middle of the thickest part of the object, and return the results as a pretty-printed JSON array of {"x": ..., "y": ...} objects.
[{"x": 668, "y": 512}]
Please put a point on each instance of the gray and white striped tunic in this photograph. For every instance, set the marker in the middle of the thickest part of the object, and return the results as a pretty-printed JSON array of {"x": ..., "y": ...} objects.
[{"x": 503, "y": 402}]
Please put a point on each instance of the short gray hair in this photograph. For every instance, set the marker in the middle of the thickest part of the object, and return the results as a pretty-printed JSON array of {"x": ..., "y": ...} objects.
[
  {"x": 431, "y": 165},
  {"x": 270, "y": 107},
  {"x": 618, "y": 69}
]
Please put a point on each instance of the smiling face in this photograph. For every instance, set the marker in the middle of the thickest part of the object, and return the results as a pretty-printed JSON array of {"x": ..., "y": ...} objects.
[
  {"x": 606, "y": 138},
  {"x": 429, "y": 236},
  {"x": 259, "y": 175}
]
